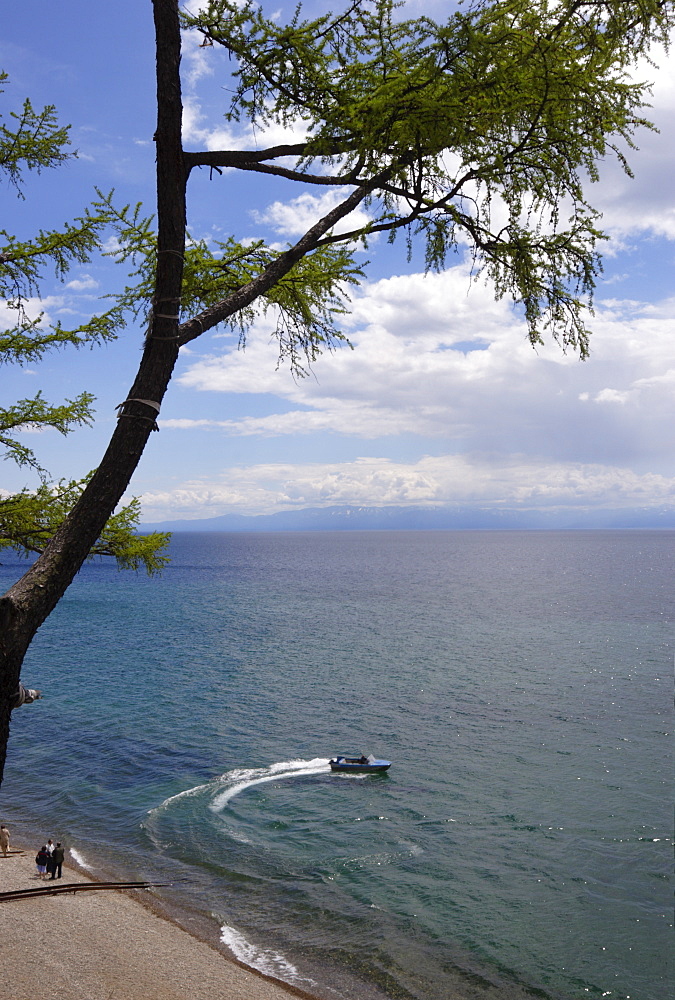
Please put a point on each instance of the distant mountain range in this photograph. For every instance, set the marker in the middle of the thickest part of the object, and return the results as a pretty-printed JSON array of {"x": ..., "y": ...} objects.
[{"x": 349, "y": 518}]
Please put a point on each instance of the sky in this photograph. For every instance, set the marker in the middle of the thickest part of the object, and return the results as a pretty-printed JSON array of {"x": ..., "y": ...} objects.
[{"x": 442, "y": 399}]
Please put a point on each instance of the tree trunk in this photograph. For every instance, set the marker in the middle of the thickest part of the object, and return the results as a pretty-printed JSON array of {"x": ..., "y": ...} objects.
[{"x": 28, "y": 603}]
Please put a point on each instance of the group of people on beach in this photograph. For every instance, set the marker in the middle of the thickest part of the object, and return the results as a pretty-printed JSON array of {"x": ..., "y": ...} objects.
[{"x": 49, "y": 860}]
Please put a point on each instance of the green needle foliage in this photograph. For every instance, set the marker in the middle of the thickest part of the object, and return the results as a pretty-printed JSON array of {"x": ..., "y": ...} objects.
[
  {"x": 307, "y": 301},
  {"x": 29, "y": 519},
  {"x": 32, "y": 140},
  {"x": 484, "y": 131},
  {"x": 36, "y": 413}
]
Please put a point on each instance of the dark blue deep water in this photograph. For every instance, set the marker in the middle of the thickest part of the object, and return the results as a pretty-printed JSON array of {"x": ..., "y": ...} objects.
[{"x": 520, "y": 682}]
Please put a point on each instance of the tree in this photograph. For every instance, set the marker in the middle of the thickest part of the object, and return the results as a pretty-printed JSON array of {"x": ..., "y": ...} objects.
[
  {"x": 33, "y": 140},
  {"x": 482, "y": 130}
]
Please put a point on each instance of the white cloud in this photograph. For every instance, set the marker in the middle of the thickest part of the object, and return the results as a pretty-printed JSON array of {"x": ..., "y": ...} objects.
[
  {"x": 611, "y": 396},
  {"x": 199, "y": 131},
  {"x": 295, "y": 217},
  {"x": 196, "y": 59},
  {"x": 431, "y": 481},
  {"x": 647, "y": 202},
  {"x": 33, "y": 307},
  {"x": 84, "y": 284},
  {"x": 438, "y": 363}
]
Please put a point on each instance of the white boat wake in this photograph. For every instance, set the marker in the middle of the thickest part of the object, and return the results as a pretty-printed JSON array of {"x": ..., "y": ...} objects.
[
  {"x": 239, "y": 780},
  {"x": 233, "y": 782}
]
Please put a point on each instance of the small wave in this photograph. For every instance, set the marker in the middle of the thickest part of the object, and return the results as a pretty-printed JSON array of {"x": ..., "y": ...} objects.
[
  {"x": 270, "y": 963},
  {"x": 414, "y": 849},
  {"x": 79, "y": 860},
  {"x": 241, "y": 779},
  {"x": 370, "y": 860}
]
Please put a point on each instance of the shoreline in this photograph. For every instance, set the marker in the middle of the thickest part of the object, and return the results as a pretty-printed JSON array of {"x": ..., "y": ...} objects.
[
  {"x": 185, "y": 939},
  {"x": 112, "y": 945}
]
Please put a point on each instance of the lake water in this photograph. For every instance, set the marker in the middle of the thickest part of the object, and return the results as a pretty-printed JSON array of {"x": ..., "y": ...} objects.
[{"x": 521, "y": 683}]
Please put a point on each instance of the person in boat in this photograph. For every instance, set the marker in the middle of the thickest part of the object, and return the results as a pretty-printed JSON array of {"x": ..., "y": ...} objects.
[{"x": 363, "y": 760}]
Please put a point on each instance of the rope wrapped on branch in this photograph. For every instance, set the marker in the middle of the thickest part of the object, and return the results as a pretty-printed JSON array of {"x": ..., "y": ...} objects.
[
  {"x": 24, "y": 696},
  {"x": 148, "y": 402}
]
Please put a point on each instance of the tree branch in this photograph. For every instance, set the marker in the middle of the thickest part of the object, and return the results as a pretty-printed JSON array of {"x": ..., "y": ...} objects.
[
  {"x": 244, "y": 296},
  {"x": 242, "y": 158},
  {"x": 237, "y": 157},
  {"x": 325, "y": 180}
]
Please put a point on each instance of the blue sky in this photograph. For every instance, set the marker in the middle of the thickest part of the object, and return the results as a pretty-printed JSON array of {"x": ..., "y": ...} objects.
[{"x": 441, "y": 401}]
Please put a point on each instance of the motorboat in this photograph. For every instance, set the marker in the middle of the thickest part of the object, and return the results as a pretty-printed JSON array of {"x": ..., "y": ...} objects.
[{"x": 359, "y": 765}]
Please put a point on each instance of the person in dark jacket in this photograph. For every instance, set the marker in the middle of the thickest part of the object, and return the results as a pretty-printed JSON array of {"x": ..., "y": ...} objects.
[
  {"x": 41, "y": 859},
  {"x": 57, "y": 860}
]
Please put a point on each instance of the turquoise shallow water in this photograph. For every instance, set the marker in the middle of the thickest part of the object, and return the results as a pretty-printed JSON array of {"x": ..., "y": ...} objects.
[{"x": 520, "y": 682}]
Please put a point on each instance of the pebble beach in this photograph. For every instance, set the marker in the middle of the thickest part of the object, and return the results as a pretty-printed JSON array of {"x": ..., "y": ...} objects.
[{"x": 106, "y": 945}]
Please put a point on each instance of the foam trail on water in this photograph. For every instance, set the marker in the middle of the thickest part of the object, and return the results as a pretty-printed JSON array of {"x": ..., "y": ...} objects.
[{"x": 241, "y": 779}]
